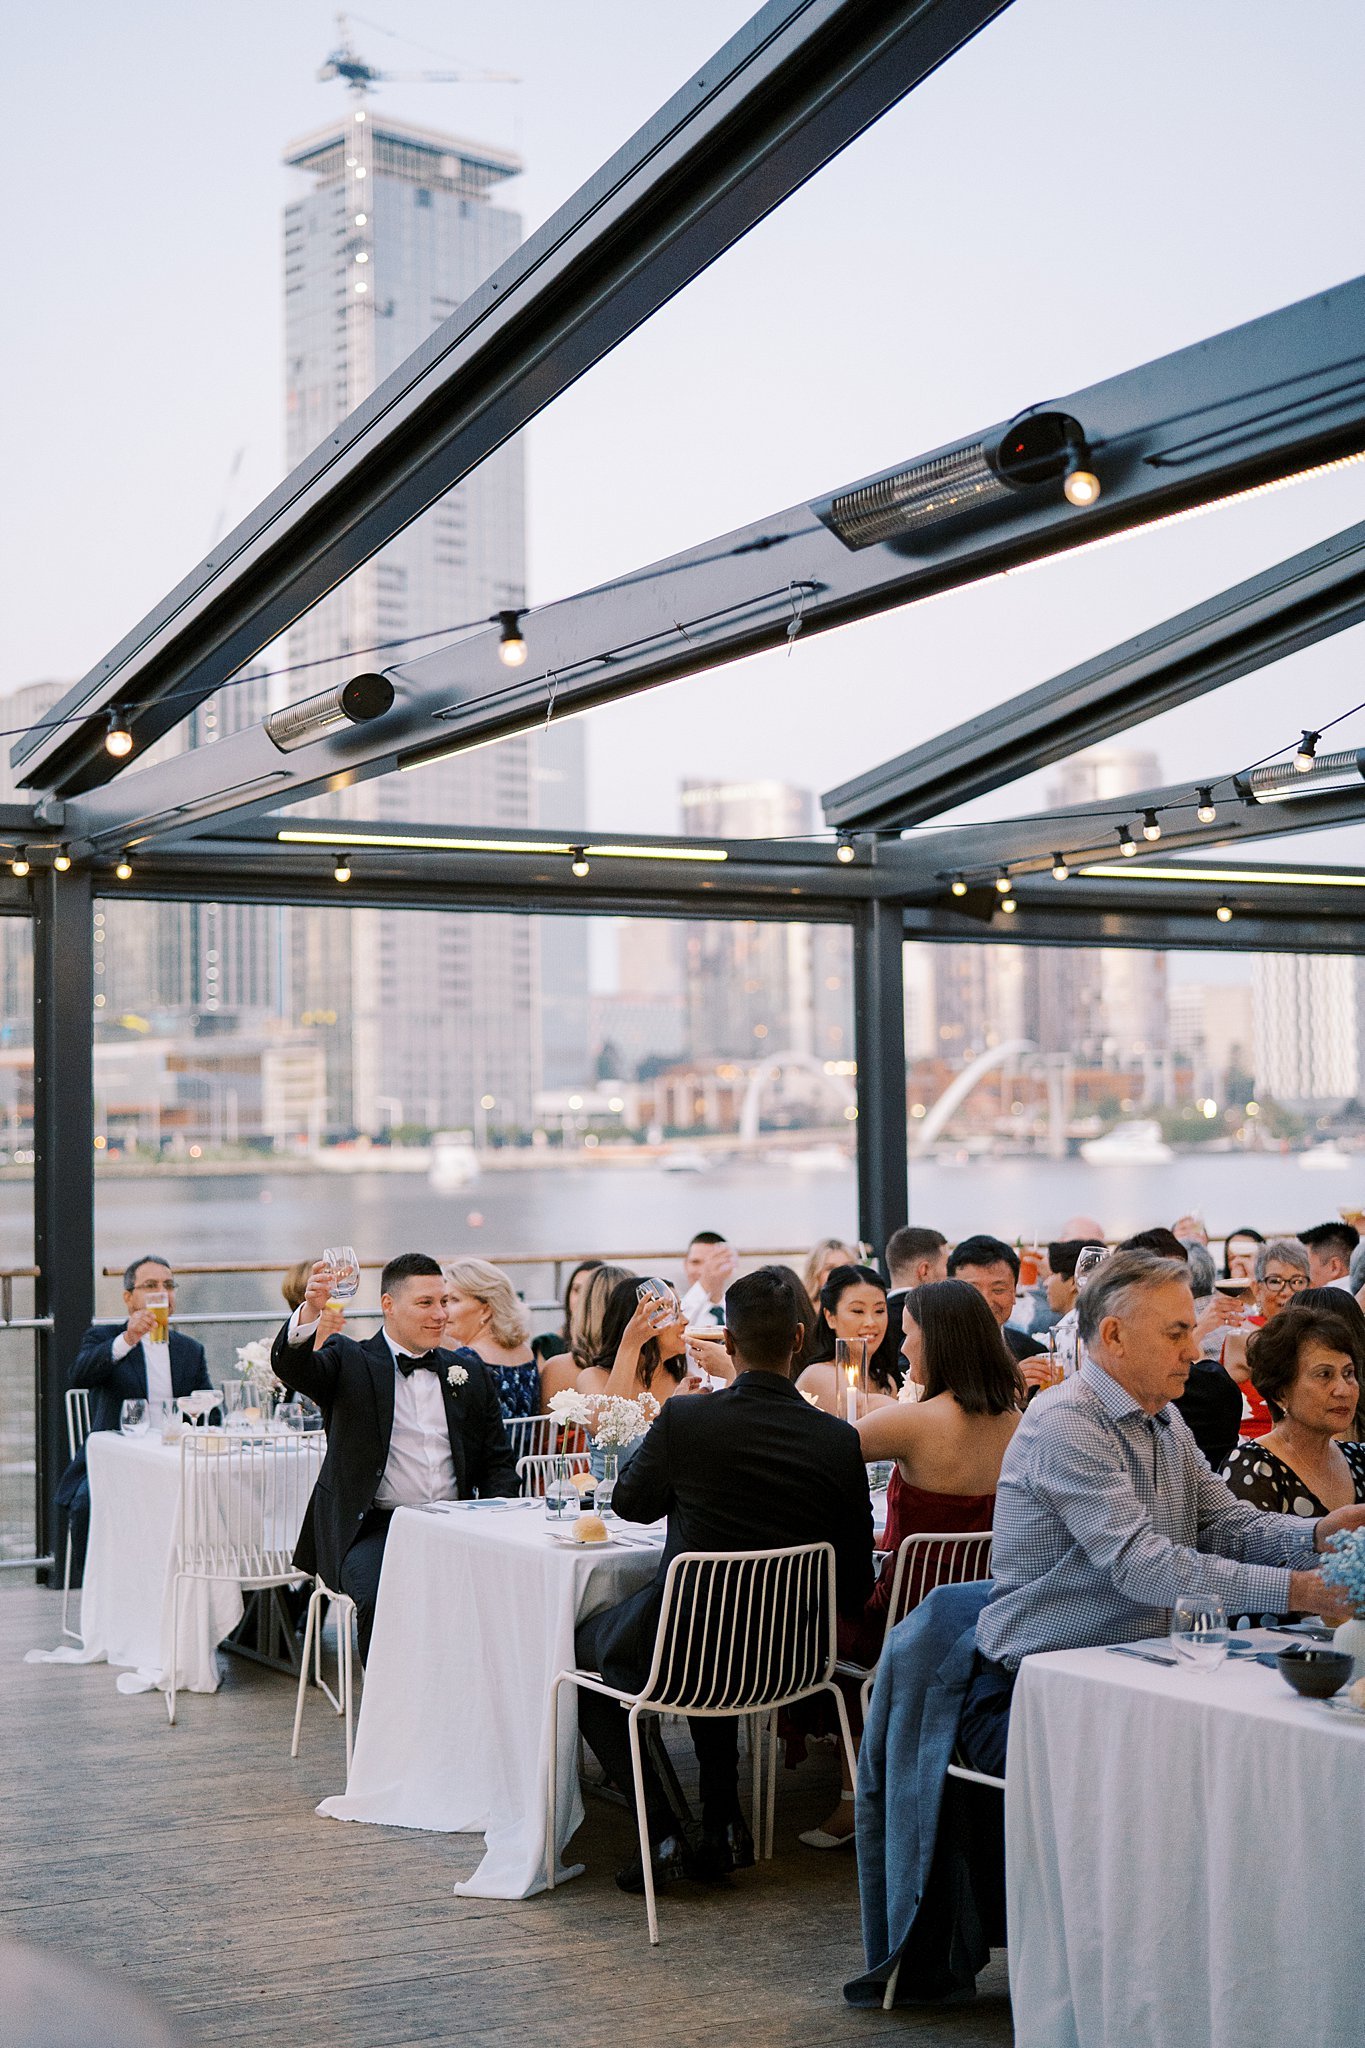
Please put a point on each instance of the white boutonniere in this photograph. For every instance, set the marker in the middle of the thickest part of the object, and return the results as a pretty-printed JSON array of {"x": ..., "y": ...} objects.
[{"x": 455, "y": 1376}]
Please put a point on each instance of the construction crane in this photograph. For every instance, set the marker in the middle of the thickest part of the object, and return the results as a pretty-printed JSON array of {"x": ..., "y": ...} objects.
[{"x": 361, "y": 78}]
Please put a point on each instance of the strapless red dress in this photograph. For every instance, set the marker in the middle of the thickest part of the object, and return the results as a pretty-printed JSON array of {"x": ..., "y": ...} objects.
[{"x": 910, "y": 1511}]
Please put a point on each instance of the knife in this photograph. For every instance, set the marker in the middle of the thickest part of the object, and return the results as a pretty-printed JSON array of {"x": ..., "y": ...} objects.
[{"x": 1147, "y": 1656}]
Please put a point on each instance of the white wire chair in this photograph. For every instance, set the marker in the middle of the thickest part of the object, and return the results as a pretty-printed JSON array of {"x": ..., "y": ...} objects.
[
  {"x": 77, "y": 1430},
  {"x": 741, "y": 1634},
  {"x": 532, "y": 1436},
  {"x": 924, "y": 1561},
  {"x": 242, "y": 1501},
  {"x": 343, "y": 1607},
  {"x": 534, "y": 1472}
]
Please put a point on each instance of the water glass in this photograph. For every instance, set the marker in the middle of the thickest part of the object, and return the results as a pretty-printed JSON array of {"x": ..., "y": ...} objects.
[
  {"x": 561, "y": 1495},
  {"x": 289, "y": 1415},
  {"x": 1199, "y": 1632},
  {"x": 132, "y": 1418},
  {"x": 345, "y": 1271}
]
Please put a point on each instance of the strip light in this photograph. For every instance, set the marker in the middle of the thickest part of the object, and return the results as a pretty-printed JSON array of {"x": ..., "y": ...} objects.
[
  {"x": 1283, "y": 877},
  {"x": 420, "y": 843}
]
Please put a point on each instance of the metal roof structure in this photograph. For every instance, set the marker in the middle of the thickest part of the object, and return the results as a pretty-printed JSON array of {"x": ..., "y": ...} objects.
[{"x": 1279, "y": 398}]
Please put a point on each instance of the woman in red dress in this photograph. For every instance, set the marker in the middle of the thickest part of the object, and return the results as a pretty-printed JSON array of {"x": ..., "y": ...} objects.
[{"x": 1281, "y": 1276}]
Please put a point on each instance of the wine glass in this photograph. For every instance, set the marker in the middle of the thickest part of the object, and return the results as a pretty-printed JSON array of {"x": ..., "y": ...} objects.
[
  {"x": 132, "y": 1418},
  {"x": 1199, "y": 1631},
  {"x": 1088, "y": 1261},
  {"x": 656, "y": 1298},
  {"x": 345, "y": 1273}
]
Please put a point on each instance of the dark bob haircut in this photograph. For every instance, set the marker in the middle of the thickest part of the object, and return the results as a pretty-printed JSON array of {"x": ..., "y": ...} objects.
[
  {"x": 1273, "y": 1353},
  {"x": 883, "y": 1362},
  {"x": 963, "y": 1353}
]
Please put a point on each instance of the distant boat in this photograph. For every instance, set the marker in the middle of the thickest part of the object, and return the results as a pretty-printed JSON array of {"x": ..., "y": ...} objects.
[
  {"x": 684, "y": 1161},
  {"x": 818, "y": 1159},
  {"x": 1328, "y": 1158},
  {"x": 1139, "y": 1143},
  {"x": 454, "y": 1162}
]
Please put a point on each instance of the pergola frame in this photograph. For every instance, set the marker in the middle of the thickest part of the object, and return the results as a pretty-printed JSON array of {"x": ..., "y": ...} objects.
[{"x": 1280, "y": 396}]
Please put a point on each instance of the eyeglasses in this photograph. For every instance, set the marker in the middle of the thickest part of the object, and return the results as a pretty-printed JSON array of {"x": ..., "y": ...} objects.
[{"x": 1279, "y": 1283}]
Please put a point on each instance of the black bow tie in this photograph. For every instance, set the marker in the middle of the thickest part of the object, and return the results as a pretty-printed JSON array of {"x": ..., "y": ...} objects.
[{"x": 430, "y": 1360}]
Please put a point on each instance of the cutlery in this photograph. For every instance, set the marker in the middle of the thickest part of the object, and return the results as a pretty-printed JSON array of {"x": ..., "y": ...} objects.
[{"x": 1147, "y": 1656}]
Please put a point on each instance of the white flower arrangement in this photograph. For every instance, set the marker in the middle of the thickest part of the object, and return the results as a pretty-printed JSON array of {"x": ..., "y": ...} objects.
[
  {"x": 455, "y": 1376},
  {"x": 609, "y": 1419},
  {"x": 253, "y": 1363}
]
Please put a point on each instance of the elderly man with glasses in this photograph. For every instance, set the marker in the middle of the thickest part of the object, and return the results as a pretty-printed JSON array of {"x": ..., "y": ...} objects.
[{"x": 1106, "y": 1513}]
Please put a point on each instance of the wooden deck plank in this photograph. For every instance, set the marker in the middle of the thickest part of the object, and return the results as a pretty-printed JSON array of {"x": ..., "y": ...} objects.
[{"x": 190, "y": 1860}]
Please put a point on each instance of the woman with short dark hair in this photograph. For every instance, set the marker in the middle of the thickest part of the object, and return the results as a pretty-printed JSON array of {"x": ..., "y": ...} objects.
[
  {"x": 1306, "y": 1364},
  {"x": 852, "y": 1307}
]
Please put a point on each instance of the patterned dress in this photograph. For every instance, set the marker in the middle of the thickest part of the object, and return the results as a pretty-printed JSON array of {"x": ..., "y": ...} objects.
[{"x": 1254, "y": 1473}]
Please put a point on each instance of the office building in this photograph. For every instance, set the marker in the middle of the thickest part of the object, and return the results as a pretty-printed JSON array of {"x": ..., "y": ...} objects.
[{"x": 1308, "y": 1027}]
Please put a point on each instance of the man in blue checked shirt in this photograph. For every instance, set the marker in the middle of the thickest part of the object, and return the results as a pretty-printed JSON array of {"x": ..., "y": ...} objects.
[{"x": 1106, "y": 1511}]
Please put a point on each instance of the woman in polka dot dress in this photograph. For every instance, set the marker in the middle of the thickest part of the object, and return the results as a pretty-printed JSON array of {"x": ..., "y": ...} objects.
[{"x": 1307, "y": 1363}]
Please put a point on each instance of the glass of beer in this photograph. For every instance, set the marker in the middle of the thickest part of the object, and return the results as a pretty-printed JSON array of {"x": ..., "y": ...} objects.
[{"x": 158, "y": 1307}]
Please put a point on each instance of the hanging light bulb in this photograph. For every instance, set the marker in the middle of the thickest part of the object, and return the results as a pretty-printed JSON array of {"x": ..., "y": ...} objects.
[
  {"x": 1151, "y": 826},
  {"x": 124, "y": 869},
  {"x": 1002, "y": 882},
  {"x": 118, "y": 741},
  {"x": 19, "y": 866},
  {"x": 1208, "y": 810},
  {"x": 1224, "y": 913},
  {"x": 1127, "y": 844},
  {"x": 958, "y": 886},
  {"x": 62, "y": 861},
  {"x": 1081, "y": 486},
  {"x": 845, "y": 851},
  {"x": 1008, "y": 905},
  {"x": 1060, "y": 870},
  {"x": 341, "y": 868},
  {"x": 579, "y": 864},
  {"x": 1307, "y": 752},
  {"x": 511, "y": 646}
]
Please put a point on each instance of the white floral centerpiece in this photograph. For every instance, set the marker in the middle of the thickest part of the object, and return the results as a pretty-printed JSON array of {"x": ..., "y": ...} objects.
[
  {"x": 610, "y": 1421},
  {"x": 253, "y": 1363}
]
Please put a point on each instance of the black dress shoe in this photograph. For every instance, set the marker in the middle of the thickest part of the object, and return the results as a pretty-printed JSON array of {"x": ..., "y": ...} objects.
[
  {"x": 722, "y": 1850},
  {"x": 669, "y": 1859}
]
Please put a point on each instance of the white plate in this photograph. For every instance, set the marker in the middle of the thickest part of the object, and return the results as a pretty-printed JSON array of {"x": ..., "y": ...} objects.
[
  {"x": 1344, "y": 1706},
  {"x": 601, "y": 1543}
]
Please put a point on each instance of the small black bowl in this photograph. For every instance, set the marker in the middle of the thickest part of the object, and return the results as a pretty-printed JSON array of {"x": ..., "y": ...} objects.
[{"x": 1317, "y": 1674}]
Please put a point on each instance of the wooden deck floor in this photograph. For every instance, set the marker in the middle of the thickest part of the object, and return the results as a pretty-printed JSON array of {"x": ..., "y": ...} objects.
[{"x": 189, "y": 1861}]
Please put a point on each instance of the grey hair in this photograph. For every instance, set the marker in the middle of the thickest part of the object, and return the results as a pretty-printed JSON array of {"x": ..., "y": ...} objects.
[
  {"x": 1287, "y": 1250},
  {"x": 1201, "y": 1267},
  {"x": 1111, "y": 1291},
  {"x": 145, "y": 1259}
]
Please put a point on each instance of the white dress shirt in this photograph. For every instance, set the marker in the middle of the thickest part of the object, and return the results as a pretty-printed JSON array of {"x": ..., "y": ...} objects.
[
  {"x": 698, "y": 1309},
  {"x": 421, "y": 1464},
  {"x": 157, "y": 1358}
]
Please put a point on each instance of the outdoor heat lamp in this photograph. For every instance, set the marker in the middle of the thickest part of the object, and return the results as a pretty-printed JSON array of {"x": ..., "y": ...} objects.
[
  {"x": 1037, "y": 450},
  {"x": 1283, "y": 781},
  {"x": 313, "y": 718}
]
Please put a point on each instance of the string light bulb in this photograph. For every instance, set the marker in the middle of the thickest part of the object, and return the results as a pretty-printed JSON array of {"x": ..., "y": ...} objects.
[
  {"x": 958, "y": 886},
  {"x": 118, "y": 741},
  {"x": 1060, "y": 870},
  {"x": 1127, "y": 844},
  {"x": 341, "y": 868},
  {"x": 1002, "y": 882},
  {"x": 19, "y": 865},
  {"x": 1151, "y": 826},
  {"x": 845, "y": 851},
  {"x": 124, "y": 869},
  {"x": 1008, "y": 905},
  {"x": 1224, "y": 913},
  {"x": 1208, "y": 810},
  {"x": 1307, "y": 752},
  {"x": 511, "y": 646},
  {"x": 579, "y": 864},
  {"x": 62, "y": 860},
  {"x": 1081, "y": 486}
]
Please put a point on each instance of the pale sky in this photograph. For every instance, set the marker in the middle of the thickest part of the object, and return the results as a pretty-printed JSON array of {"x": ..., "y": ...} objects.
[{"x": 1090, "y": 184}]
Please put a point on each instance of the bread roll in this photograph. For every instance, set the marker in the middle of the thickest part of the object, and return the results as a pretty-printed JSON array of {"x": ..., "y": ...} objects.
[{"x": 589, "y": 1529}]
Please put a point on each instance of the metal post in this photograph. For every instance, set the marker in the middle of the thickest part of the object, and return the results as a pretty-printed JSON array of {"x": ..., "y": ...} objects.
[
  {"x": 879, "y": 1036},
  {"x": 63, "y": 1159}
]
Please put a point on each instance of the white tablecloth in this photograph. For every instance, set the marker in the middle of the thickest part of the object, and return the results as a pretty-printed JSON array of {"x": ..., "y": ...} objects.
[
  {"x": 475, "y": 1615},
  {"x": 1185, "y": 1859}
]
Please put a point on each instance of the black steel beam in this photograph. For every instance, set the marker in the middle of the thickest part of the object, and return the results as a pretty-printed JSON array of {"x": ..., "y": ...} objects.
[
  {"x": 1287, "y": 608},
  {"x": 1283, "y": 394},
  {"x": 63, "y": 1161},
  {"x": 879, "y": 1037},
  {"x": 796, "y": 85}
]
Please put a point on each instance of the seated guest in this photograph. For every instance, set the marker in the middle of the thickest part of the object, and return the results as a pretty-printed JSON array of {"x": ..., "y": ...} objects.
[
  {"x": 915, "y": 1257},
  {"x": 1062, "y": 1255},
  {"x": 485, "y": 1315},
  {"x": 753, "y": 1468},
  {"x": 1330, "y": 1247},
  {"x": 636, "y": 1354},
  {"x": 1191, "y": 1229},
  {"x": 1212, "y": 1401},
  {"x": 947, "y": 1448},
  {"x": 559, "y": 1343},
  {"x": 821, "y": 1261},
  {"x": 1239, "y": 1253},
  {"x": 852, "y": 1307},
  {"x": 586, "y": 1334},
  {"x": 399, "y": 1434},
  {"x": 121, "y": 1362},
  {"x": 1307, "y": 1365},
  {"x": 1106, "y": 1513},
  {"x": 294, "y": 1285},
  {"x": 1333, "y": 1303},
  {"x": 1281, "y": 1270},
  {"x": 708, "y": 1269},
  {"x": 992, "y": 1268}
]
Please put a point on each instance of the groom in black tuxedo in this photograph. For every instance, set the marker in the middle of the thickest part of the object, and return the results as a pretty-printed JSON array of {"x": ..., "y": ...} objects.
[{"x": 398, "y": 1433}]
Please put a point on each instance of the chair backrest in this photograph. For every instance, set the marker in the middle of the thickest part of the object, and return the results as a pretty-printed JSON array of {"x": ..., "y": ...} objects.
[
  {"x": 740, "y": 1630},
  {"x": 924, "y": 1561},
  {"x": 532, "y": 1436},
  {"x": 77, "y": 1418},
  {"x": 535, "y": 1471},
  {"x": 242, "y": 1501}
]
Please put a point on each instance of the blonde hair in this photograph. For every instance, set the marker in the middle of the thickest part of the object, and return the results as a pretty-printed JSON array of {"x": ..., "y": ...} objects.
[
  {"x": 509, "y": 1323},
  {"x": 295, "y": 1282},
  {"x": 812, "y": 1278},
  {"x": 586, "y": 1339}
]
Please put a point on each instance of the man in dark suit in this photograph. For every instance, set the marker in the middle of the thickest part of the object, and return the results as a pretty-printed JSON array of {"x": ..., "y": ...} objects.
[
  {"x": 399, "y": 1433},
  {"x": 752, "y": 1468},
  {"x": 121, "y": 1362}
]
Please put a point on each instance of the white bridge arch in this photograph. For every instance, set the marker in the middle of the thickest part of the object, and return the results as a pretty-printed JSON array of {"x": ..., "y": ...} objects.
[
  {"x": 765, "y": 1071},
  {"x": 957, "y": 1091}
]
